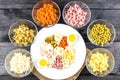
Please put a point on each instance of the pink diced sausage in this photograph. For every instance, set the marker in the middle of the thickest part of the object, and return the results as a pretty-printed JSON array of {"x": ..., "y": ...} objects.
[{"x": 76, "y": 15}]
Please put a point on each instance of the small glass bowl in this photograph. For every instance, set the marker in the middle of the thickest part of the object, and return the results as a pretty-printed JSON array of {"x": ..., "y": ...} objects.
[
  {"x": 104, "y": 22},
  {"x": 28, "y": 23},
  {"x": 39, "y": 5},
  {"x": 7, "y": 63},
  {"x": 83, "y": 6},
  {"x": 111, "y": 62}
]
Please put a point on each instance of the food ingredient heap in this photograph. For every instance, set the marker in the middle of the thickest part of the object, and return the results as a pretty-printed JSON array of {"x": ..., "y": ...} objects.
[
  {"x": 100, "y": 34},
  {"x": 19, "y": 63},
  {"x": 75, "y": 16},
  {"x": 46, "y": 15},
  {"x": 57, "y": 51},
  {"x": 98, "y": 62},
  {"x": 23, "y": 35}
]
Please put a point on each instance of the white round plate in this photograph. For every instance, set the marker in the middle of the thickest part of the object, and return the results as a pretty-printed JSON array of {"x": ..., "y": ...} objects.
[{"x": 80, "y": 49}]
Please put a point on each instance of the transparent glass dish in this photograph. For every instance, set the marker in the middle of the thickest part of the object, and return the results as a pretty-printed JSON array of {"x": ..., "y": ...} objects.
[
  {"x": 103, "y": 22},
  {"x": 111, "y": 62},
  {"x": 83, "y": 6},
  {"x": 7, "y": 63},
  {"x": 39, "y": 5},
  {"x": 28, "y": 23}
]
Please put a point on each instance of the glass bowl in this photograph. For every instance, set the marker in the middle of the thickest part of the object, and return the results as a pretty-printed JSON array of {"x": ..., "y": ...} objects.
[
  {"x": 111, "y": 62},
  {"x": 40, "y": 5},
  {"x": 15, "y": 25},
  {"x": 108, "y": 25},
  {"x": 84, "y": 8},
  {"x": 10, "y": 56}
]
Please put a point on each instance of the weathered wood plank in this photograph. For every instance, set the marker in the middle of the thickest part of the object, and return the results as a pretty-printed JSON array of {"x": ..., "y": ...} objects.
[
  {"x": 97, "y": 4},
  {"x": 9, "y": 16},
  {"x": 12, "y": 10},
  {"x": 28, "y": 4},
  {"x": 32, "y": 77},
  {"x": 91, "y": 77},
  {"x": 7, "y": 77},
  {"x": 6, "y": 47}
]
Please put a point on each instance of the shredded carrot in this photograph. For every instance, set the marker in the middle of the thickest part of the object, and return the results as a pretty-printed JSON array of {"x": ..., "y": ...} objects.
[
  {"x": 63, "y": 42},
  {"x": 46, "y": 15}
]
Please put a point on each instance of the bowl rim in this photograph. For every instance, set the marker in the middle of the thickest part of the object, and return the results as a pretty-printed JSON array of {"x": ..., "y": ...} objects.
[
  {"x": 114, "y": 31},
  {"x": 10, "y": 53},
  {"x": 59, "y": 16},
  {"x": 80, "y": 6},
  {"x": 109, "y": 52},
  {"x": 14, "y": 43}
]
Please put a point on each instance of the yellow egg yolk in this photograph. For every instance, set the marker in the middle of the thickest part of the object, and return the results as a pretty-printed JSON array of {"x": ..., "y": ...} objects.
[
  {"x": 72, "y": 37},
  {"x": 43, "y": 62}
]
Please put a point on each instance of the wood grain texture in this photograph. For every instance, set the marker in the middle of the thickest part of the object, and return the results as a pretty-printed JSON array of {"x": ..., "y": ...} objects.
[
  {"x": 91, "y": 77},
  {"x": 28, "y": 4},
  {"x": 7, "y": 77},
  {"x": 6, "y": 47},
  {"x": 12, "y": 10},
  {"x": 9, "y": 16},
  {"x": 88, "y": 77}
]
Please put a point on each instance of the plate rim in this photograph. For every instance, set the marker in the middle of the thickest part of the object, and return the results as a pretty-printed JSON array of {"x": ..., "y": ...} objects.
[{"x": 84, "y": 53}]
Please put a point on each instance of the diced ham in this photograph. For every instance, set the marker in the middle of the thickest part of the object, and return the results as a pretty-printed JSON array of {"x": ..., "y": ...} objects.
[
  {"x": 58, "y": 63},
  {"x": 75, "y": 16}
]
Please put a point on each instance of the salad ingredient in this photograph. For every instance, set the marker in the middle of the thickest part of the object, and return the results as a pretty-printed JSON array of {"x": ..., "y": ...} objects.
[
  {"x": 72, "y": 38},
  {"x": 75, "y": 16},
  {"x": 59, "y": 57},
  {"x": 19, "y": 63},
  {"x": 46, "y": 15},
  {"x": 43, "y": 62},
  {"x": 100, "y": 34},
  {"x": 63, "y": 42},
  {"x": 68, "y": 55},
  {"x": 23, "y": 35},
  {"x": 99, "y": 62},
  {"x": 51, "y": 40},
  {"x": 58, "y": 63}
]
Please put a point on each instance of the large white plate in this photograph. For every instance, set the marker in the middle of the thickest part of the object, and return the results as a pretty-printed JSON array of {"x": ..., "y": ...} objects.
[{"x": 51, "y": 72}]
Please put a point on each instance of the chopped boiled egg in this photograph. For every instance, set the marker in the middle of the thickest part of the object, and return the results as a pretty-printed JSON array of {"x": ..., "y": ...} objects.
[
  {"x": 72, "y": 38},
  {"x": 43, "y": 62}
]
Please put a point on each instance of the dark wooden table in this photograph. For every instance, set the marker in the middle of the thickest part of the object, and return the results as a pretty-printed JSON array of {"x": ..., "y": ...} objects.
[{"x": 12, "y": 10}]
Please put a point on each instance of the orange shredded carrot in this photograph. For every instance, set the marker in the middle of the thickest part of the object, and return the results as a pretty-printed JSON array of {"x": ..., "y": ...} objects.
[
  {"x": 63, "y": 42},
  {"x": 46, "y": 15}
]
